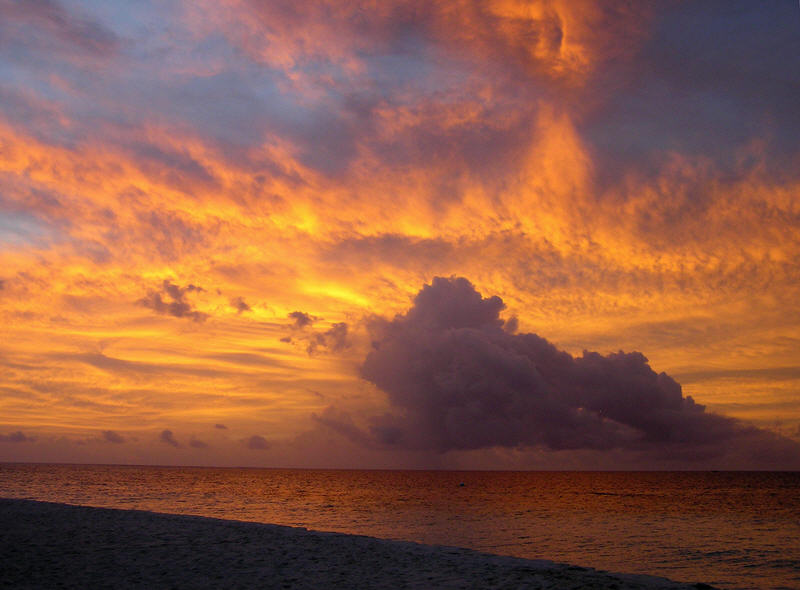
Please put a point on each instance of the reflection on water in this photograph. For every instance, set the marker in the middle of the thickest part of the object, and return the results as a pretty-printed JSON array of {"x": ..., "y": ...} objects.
[{"x": 734, "y": 530}]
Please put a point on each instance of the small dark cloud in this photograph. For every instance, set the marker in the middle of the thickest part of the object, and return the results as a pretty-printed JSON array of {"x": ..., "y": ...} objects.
[
  {"x": 302, "y": 319},
  {"x": 2, "y": 284},
  {"x": 239, "y": 305},
  {"x": 177, "y": 292},
  {"x": 168, "y": 438},
  {"x": 172, "y": 300},
  {"x": 257, "y": 443},
  {"x": 334, "y": 339},
  {"x": 220, "y": 427},
  {"x": 16, "y": 437},
  {"x": 197, "y": 444},
  {"x": 458, "y": 379},
  {"x": 113, "y": 437}
]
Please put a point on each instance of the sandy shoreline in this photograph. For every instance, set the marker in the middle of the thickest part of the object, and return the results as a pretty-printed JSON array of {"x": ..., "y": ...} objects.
[{"x": 46, "y": 545}]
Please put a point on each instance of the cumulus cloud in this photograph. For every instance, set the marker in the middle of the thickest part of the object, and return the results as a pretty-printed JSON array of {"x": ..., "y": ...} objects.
[
  {"x": 113, "y": 437},
  {"x": 257, "y": 443},
  {"x": 172, "y": 300},
  {"x": 458, "y": 379},
  {"x": 168, "y": 438},
  {"x": 16, "y": 437}
]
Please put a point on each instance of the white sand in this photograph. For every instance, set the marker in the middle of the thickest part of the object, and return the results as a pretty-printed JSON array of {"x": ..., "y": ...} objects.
[{"x": 44, "y": 545}]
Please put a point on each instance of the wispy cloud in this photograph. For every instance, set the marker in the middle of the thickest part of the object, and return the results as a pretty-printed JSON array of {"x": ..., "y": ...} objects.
[{"x": 621, "y": 174}]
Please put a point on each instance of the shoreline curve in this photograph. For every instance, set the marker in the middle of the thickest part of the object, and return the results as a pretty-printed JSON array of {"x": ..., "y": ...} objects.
[{"x": 49, "y": 545}]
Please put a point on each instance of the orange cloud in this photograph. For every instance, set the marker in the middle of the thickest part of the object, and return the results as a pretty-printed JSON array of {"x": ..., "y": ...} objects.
[{"x": 334, "y": 157}]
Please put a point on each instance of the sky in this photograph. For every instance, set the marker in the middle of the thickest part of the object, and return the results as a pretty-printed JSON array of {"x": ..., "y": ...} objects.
[{"x": 456, "y": 234}]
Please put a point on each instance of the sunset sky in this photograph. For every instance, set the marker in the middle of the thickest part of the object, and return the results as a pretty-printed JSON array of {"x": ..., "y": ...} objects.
[{"x": 400, "y": 234}]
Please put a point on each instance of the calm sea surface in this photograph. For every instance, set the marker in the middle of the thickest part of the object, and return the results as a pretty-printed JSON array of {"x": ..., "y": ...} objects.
[{"x": 732, "y": 530}]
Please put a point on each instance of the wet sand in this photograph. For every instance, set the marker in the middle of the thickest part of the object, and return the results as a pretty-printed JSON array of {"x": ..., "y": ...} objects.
[{"x": 46, "y": 545}]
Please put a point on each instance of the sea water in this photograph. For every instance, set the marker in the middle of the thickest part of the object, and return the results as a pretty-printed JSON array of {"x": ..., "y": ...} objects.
[{"x": 731, "y": 529}]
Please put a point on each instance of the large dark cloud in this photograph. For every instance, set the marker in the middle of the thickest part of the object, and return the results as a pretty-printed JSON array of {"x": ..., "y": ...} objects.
[{"x": 458, "y": 378}]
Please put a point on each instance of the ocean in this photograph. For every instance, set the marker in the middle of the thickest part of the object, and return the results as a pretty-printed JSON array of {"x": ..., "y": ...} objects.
[{"x": 733, "y": 530}]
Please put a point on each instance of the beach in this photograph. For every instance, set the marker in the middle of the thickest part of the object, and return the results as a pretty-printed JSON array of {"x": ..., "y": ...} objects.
[{"x": 48, "y": 545}]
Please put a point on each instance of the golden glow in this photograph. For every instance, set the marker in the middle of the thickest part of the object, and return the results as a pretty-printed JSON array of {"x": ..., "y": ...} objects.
[{"x": 652, "y": 262}]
